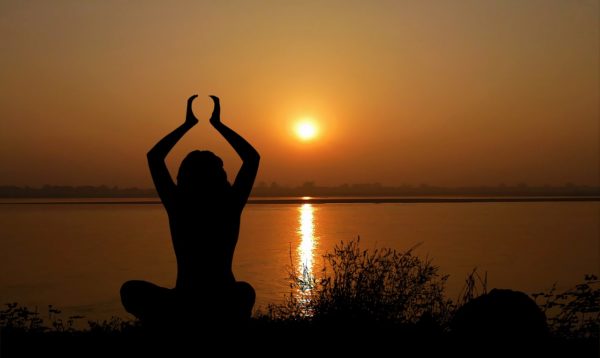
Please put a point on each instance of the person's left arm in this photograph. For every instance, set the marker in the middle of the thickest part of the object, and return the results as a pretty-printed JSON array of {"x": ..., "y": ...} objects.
[{"x": 250, "y": 158}]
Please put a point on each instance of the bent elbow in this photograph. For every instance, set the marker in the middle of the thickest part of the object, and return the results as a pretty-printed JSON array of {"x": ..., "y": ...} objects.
[
  {"x": 153, "y": 156},
  {"x": 251, "y": 156}
]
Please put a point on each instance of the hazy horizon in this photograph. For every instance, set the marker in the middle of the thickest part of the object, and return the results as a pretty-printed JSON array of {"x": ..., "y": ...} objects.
[
  {"x": 312, "y": 183},
  {"x": 462, "y": 93}
]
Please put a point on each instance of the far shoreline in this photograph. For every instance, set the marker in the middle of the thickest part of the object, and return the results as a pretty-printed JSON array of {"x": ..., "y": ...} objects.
[{"x": 311, "y": 200}]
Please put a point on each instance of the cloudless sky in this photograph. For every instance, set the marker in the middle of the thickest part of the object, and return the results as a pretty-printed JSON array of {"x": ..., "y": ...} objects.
[{"x": 440, "y": 92}]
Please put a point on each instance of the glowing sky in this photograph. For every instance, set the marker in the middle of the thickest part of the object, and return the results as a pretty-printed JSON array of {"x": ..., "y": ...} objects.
[{"x": 437, "y": 92}]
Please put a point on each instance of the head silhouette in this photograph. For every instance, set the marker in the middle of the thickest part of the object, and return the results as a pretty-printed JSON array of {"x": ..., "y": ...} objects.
[{"x": 202, "y": 173}]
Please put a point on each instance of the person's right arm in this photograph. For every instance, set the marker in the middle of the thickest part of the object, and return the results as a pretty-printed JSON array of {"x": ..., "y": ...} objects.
[{"x": 165, "y": 187}]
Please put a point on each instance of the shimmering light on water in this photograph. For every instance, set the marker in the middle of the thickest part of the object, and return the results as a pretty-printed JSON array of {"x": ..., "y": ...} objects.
[{"x": 307, "y": 240}]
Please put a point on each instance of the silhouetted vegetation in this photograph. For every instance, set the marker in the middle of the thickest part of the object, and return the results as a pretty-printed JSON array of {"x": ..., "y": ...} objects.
[
  {"x": 377, "y": 189},
  {"x": 574, "y": 313},
  {"x": 369, "y": 301},
  {"x": 17, "y": 318},
  {"x": 384, "y": 285},
  {"x": 84, "y": 191},
  {"x": 375, "y": 292}
]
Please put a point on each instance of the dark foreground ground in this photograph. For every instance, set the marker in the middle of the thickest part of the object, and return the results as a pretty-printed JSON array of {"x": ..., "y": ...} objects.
[
  {"x": 265, "y": 338},
  {"x": 384, "y": 303}
]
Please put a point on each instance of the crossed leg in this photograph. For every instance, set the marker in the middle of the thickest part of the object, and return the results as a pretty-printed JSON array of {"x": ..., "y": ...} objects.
[{"x": 151, "y": 303}]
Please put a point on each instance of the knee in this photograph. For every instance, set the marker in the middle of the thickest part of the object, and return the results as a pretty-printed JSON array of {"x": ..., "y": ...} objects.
[
  {"x": 129, "y": 293},
  {"x": 246, "y": 292},
  {"x": 245, "y": 297}
]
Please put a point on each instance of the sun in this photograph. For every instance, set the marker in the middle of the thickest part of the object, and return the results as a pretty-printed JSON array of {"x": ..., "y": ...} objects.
[{"x": 306, "y": 129}]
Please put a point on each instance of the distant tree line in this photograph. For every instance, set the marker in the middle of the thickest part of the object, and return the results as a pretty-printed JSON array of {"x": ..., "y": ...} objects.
[
  {"x": 377, "y": 189},
  {"x": 84, "y": 191},
  {"x": 311, "y": 189}
]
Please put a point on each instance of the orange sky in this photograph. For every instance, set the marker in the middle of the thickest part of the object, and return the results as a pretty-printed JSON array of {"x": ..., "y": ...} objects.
[{"x": 438, "y": 92}]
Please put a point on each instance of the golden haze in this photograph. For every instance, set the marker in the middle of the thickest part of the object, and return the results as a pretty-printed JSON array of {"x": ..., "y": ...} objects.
[{"x": 451, "y": 93}]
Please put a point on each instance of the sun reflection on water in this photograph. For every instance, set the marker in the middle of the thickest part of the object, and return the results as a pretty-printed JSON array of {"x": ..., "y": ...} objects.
[{"x": 305, "y": 251}]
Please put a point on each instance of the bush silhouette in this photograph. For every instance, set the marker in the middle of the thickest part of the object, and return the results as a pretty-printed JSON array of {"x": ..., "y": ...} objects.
[{"x": 356, "y": 285}]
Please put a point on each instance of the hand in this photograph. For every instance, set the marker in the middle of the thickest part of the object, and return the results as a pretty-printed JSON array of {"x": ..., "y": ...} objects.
[
  {"x": 190, "y": 118},
  {"x": 216, "y": 115}
]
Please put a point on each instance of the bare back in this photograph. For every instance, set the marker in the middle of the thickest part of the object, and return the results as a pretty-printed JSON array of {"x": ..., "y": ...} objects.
[{"x": 204, "y": 229}]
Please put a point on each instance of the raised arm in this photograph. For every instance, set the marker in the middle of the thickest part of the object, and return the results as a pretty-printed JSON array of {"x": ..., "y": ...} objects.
[
  {"x": 165, "y": 187},
  {"x": 250, "y": 157}
]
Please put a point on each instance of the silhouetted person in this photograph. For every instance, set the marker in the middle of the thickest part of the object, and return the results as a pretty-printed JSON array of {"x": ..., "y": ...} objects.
[{"x": 204, "y": 212}]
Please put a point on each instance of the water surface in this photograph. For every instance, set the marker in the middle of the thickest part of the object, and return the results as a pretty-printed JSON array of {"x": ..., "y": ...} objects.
[{"x": 76, "y": 256}]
